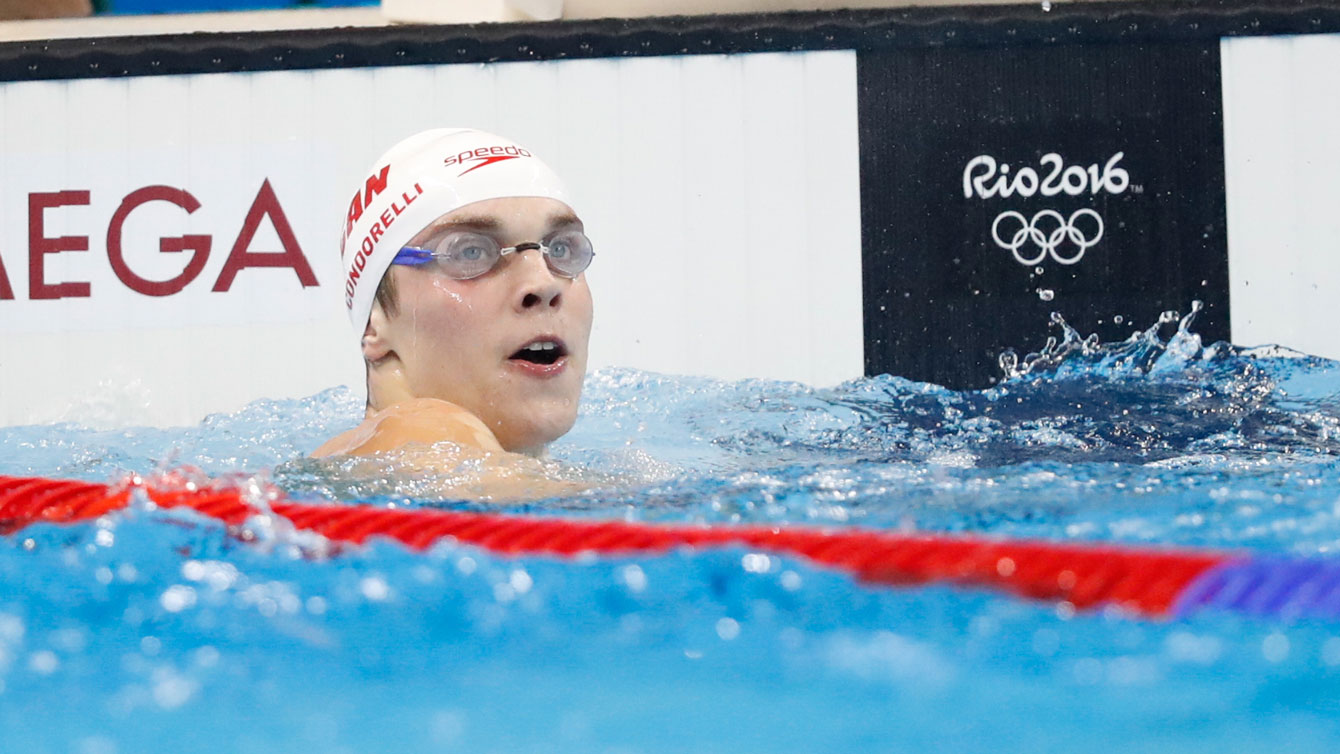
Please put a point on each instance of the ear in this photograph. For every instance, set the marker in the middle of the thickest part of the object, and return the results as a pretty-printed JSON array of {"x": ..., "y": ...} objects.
[{"x": 376, "y": 345}]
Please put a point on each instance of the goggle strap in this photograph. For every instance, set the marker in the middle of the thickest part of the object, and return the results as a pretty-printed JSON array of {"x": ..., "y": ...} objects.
[{"x": 413, "y": 257}]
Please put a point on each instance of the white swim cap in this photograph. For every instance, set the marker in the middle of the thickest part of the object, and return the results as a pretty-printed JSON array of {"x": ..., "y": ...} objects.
[{"x": 419, "y": 180}]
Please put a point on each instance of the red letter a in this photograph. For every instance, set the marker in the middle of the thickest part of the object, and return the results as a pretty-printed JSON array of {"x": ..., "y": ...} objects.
[
  {"x": 6, "y": 292},
  {"x": 241, "y": 257}
]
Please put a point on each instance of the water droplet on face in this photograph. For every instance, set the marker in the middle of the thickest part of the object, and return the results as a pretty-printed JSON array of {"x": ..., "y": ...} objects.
[
  {"x": 442, "y": 286},
  {"x": 1046, "y": 294},
  {"x": 1038, "y": 270},
  {"x": 1118, "y": 319}
]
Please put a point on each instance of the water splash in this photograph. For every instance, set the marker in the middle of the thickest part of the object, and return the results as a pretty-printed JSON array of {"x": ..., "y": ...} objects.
[{"x": 1142, "y": 352}]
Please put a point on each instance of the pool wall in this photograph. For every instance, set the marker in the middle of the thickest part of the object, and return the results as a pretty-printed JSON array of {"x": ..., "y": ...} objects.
[{"x": 807, "y": 196}]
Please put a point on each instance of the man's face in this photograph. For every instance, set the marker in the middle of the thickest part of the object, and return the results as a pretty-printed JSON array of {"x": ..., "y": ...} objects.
[{"x": 472, "y": 342}]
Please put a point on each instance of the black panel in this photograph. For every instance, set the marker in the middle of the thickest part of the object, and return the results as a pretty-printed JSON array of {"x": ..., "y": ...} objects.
[
  {"x": 943, "y": 297},
  {"x": 1062, "y": 23}
]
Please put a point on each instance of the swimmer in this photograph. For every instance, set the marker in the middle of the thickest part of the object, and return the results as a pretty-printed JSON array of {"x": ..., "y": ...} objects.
[{"x": 464, "y": 281}]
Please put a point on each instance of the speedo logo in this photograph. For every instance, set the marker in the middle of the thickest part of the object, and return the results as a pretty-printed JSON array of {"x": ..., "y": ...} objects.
[{"x": 483, "y": 157}]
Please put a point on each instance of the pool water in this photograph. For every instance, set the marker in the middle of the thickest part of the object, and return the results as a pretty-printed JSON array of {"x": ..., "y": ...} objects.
[{"x": 157, "y": 630}]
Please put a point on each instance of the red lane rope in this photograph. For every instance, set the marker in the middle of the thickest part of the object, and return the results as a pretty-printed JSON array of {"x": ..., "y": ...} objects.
[{"x": 1143, "y": 581}]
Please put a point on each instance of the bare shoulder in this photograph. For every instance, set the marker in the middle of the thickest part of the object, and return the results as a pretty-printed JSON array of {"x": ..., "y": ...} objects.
[
  {"x": 419, "y": 420},
  {"x": 436, "y": 436}
]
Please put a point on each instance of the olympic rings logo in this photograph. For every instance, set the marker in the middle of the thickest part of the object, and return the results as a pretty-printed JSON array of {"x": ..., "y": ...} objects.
[{"x": 1048, "y": 241}]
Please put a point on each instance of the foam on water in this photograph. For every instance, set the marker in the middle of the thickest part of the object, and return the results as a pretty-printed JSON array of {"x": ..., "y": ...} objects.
[{"x": 159, "y": 628}]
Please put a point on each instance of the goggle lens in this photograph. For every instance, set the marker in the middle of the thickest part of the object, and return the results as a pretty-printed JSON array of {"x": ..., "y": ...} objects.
[
  {"x": 467, "y": 255},
  {"x": 569, "y": 254}
]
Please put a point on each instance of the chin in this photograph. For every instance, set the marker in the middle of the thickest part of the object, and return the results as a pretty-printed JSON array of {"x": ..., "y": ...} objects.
[{"x": 533, "y": 427}]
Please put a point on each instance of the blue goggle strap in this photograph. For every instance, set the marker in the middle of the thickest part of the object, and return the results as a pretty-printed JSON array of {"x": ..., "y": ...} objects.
[{"x": 413, "y": 257}]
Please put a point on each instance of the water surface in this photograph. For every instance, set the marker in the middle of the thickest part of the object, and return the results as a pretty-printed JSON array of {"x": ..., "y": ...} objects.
[{"x": 158, "y": 629}]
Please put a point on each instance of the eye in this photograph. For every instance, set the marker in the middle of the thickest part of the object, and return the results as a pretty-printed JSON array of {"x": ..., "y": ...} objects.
[
  {"x": 559, "y": 249},
  {"x": 568, "y": 246},
  {"x": 468, "y": 248}
]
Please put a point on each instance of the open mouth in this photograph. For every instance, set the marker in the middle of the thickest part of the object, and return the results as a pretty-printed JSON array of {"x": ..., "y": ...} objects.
[{"x": 543, "y": 351}]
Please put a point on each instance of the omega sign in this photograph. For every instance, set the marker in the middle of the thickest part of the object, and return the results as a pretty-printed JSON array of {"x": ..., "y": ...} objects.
[{"x": 1048, "y": 232}]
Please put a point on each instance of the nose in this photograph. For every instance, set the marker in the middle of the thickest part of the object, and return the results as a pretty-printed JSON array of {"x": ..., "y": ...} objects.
[{"x": 539, "y": 289}]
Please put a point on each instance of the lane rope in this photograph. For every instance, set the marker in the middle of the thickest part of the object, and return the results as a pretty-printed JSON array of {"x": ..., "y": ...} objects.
[{"x": 1148, "y": 582}]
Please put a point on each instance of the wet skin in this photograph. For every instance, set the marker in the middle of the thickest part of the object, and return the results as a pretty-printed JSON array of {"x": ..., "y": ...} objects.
[{"x": 451, "y": 364}]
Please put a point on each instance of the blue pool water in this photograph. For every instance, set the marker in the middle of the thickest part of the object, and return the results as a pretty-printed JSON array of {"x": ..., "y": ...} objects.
[{"x": 157, "y": 630}]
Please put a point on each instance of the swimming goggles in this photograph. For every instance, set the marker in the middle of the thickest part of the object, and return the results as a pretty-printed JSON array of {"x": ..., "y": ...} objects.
[{"x": 463, "y": 255}]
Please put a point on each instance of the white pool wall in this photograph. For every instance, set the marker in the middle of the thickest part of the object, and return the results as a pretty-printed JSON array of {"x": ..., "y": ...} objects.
[
  {"x": 1282, "y": 165},
  {"x": 722, "y": 193}
]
